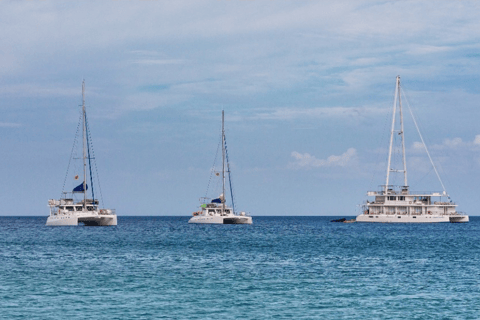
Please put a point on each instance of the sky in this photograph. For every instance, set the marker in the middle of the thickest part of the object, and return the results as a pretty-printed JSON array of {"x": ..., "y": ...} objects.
[{"x": 307, "y": 88}]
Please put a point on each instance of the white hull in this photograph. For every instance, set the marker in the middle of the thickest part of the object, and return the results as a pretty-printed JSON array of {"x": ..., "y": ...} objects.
[
  {"x": 383, "y": 218},
  {"x": 87, "y": 219},
  {"x": 62, "y": 220},
  {"x": 231, "y": 219}
]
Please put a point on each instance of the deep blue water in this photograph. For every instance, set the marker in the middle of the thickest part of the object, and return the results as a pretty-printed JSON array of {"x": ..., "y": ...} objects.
[{"x": 279, "y": 268}]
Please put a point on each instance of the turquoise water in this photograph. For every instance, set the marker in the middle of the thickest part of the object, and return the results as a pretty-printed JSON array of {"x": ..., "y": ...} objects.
[{"x": 278, "y": 268}]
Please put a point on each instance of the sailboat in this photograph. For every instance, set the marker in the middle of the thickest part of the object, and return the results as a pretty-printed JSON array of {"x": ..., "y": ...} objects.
[
  {"x": 216, "y": 211},
  {"x": 397, "y": 204},
  {"x": 69, "y": 210}
]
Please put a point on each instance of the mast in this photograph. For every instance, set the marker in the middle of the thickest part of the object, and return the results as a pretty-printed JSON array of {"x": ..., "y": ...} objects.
[
  {"x": 405, "y": 184},
  {"x": 84, "y": 129},
  {"x": 223, "y": 161},
  {"x": 389, "y": 169}
]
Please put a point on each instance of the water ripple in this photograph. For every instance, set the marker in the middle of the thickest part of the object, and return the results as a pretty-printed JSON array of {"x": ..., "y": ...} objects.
[{"x": 278, "y": 268}]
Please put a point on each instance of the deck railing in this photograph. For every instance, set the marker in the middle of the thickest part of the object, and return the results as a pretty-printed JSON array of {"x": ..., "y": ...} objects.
[{"x": 403, "y": 193}]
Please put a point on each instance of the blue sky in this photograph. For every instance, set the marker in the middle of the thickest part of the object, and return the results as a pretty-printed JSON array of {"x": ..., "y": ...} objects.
[{"x": 307, "y": 88}]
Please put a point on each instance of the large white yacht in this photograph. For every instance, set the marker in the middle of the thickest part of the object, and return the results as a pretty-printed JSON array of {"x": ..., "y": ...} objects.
[
  {"x": 216, "y": 211},
  {"x": 397, "y": 204},
  {"x": 76, "y": 207}
]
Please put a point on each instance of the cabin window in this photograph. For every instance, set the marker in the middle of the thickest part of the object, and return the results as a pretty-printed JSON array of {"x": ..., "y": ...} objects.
[
  {"x": 227, "y": 211},
  {"x": 414, "y": 217},
  {"x": 392, "y": 198},
  {"x": 399, "y": 217},
  {"x": 69, "y": 208},
  {"x": 401, "y": 198}
]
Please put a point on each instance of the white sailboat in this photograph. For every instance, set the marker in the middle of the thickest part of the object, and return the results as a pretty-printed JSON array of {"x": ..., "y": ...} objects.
[
  {"x": 69, "y": 211},
  {"x": 216, "y": 211},
  {"x": 397, "y": 204}
]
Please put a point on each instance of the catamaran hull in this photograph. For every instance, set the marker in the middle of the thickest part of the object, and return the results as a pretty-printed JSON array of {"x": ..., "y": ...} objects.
[
  {"x": 411, "y": 218},
  {"x": 459, "y": 219},
  {"x": 72, "y": 220},
  {"x": 221, "y": 220},
  {"x": 58, "y": 221}
]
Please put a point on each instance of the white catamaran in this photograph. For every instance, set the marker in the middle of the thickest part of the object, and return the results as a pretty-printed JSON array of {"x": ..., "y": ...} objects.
[
  {"x": 399, "y": 204},
  {"x": 69, "y": 211},
  {"x": 216, "y": 211}
]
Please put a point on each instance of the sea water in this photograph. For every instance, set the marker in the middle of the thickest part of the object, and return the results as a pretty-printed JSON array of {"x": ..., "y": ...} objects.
[{"x": 277, "y": 268}]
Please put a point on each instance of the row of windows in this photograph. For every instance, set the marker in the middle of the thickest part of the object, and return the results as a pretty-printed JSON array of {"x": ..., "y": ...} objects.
[
  {"x": 394, "y": 198},
  {"x": 218, "y": 211},
  {"x": 397, "y": 217},
  {"x": 399, "y": 209},
  {"x": 402, "y": 198},
  {"x": 79, "y": 208},
  {"x": 420, "y": 198}
]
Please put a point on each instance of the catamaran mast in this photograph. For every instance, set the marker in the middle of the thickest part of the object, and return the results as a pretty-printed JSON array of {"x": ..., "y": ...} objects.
[
  {"x": 84, "y": 128},
  {"x": 405, "y": 184},
  {"x": 223, "y": 162},
  {"x": 392, "y": 132}
]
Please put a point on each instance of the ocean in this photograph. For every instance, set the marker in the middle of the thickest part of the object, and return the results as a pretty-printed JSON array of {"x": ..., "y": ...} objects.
[{"x": 277, "y": 268}]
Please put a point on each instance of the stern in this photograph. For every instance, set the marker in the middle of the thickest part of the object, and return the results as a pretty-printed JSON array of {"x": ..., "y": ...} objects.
[{"x": 459, "y": 219}]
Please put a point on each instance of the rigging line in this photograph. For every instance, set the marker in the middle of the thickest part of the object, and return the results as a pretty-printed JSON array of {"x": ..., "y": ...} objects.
[
  {"x": 89, "y": 159},
  {"x": 95, "y": 164},
  {"x": 444, "y": 173},
  {"x": 213, "y": 167},
  {"x": 419, "y": 180},
  {"x": 229, "y": 175},
  {"x": 71, "y": 154},
  {"x": 98, "y": 177},
  {"x": 424, "y": 145},
  {"x": 438, "y": 158}
]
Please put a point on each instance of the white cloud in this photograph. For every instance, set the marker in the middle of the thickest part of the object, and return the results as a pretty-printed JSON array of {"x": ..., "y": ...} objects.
[
  {"x": 326, "y": 112},
  {"x": 417, "y": 145},
  {"x": 40, "y": 90},
  {"x": 248, "y": 47},
  {"x": 159, "y": 61},
  {"x": 453, "y": 143},
  {"x": 476, "y": 141},
  {"x": 421, "y": 49},
  {"x": 308, "y": 161},
  {"x": 9, "y": 125}
]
